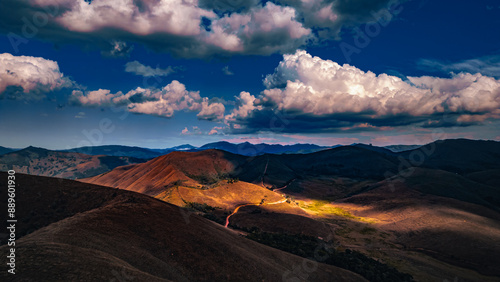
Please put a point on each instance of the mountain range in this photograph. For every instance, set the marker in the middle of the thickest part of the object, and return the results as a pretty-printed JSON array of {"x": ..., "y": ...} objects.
[
  {"x": 430, "y": 213},
  {"x": 39, "y": 161}
]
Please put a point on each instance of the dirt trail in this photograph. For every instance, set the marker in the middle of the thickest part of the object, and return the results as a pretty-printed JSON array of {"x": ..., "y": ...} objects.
[
  {"x": 244, "y": 205},
  {"x": 264, "y": 173},
  {"x": 284, "y": 186}
]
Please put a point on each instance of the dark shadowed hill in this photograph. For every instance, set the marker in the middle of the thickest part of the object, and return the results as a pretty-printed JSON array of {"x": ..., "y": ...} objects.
[
  {"x": 38, "y": 161},
  {"x": 208, "y": 166},
  {"x": 458, "y": 155},
  {"x": 93, "y": 233},
  {"x": 4, "y": 150},
  {"x": 440, "y": 214}
]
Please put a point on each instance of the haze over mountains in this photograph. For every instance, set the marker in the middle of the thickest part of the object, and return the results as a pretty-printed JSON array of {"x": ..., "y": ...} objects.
[{"x": 431, "y": 213}]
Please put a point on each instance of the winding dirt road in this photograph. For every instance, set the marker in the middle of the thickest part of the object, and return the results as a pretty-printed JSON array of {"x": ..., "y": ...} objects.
[
  {"x": 284, "y": 186},
  {"x": 244, "y": 205}
]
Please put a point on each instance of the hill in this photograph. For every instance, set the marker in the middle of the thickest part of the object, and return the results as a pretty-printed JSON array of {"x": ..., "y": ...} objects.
[
  {"x": 189, "y": 168},
  {"x": 402, "y": 148},
  {"x": 437, "y": 213},
  {"x": 4, "y": 150},
  {"x": 38, "y": 161},
  {"x": 95, "y": 233},
  {"x": 412, "y": 221},
  {"x": 457, "y": 155}
]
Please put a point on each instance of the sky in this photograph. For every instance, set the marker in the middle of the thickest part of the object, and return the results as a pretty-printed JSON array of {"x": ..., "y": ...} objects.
[{"x": 160, "y": 73}]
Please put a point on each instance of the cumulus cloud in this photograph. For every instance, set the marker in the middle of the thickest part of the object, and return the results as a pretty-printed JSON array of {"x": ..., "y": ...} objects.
[
  {"x": 211, "y": 111},
  {"x": 263, "y": 30},
  {"x": 162, "y": 102},
  {"x": 195, "y": 130},
  {"x": 185, "y": 28},
  {"x": 311, "y": 94},
  {"x": 192, "y": 28},
  {"x": 139, "y": 69},
  {"x": 216, "y": 130},
  {"x": 118, "y": 49},
  {"x": 328, "y": 17},
  {"x": 29, "y": 77}
]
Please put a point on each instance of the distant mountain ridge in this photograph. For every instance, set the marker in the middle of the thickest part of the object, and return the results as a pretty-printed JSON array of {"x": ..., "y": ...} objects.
[
  {"x": 245, "y": 149},
  {"x": 43, "y": 162},
  {"x": 249, "y": 149},
  {"x": 4, "y": 150},
  {"x": 117, "y": 151}
]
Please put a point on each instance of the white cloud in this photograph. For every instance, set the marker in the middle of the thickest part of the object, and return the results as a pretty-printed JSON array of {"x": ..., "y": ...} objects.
[
  {"x": 33, "y": 75},
  {"x": 179, "y": 26},
  {"x": 101, "y": 97},
  {"x": 216, "y": 130},
  {"x": 137, "y": 68},
  {"x": 195, "y": 130},
  {"x": 118, "y": 49},
  {"x": 177, "y": 17},
  {"x": 162, "y": 102},
  {"x": 226, "y": 71},
  {"x": 246, "y": 104},
  {"x": 211, "y": 111},
  {"x": 263, "y": 30},
  {"x": 307, "y": 85}
]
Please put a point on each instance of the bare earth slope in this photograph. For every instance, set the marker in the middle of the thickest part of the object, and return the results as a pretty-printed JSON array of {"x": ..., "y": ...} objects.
[
  {"x": 101, "y": 233},
  {"x": 151, "y": 178},
  {"x": 425, "y": 218}
]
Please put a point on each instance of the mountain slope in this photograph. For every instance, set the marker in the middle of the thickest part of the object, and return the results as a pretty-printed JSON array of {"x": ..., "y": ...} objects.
[
  {"x": 457, "y": 155},
  {"x": 38, "y": 161},
  {"x": 4, "y": 150},
  {"x": 437, "y": 213},
  {"x": 190, "y": 168},
  {"x": 100, "y": 233}
]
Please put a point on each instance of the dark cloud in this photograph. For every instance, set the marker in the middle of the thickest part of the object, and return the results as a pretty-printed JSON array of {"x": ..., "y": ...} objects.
[{"x": 486, "y": 65}]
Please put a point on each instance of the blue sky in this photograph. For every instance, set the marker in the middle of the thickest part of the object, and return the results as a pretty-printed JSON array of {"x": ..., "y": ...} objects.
[{"x": 257, "y": 71}]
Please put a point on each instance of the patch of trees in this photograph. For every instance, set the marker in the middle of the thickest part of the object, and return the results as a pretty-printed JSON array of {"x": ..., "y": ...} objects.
[{"x": 311, "y": 247}]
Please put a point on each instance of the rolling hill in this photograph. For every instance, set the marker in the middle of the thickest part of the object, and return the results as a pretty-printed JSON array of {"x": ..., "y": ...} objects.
[
  {"x": 94, "y": 233},
  {"x": 38, "y": 161},
  {"x": 457, "y": 155},
  {"x": 436, "y": 221}
]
